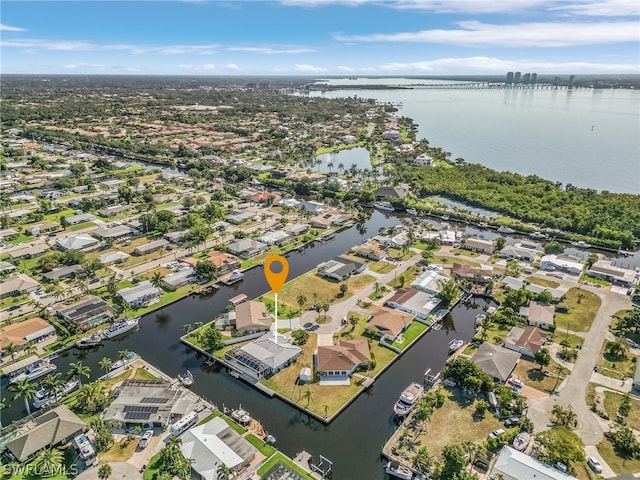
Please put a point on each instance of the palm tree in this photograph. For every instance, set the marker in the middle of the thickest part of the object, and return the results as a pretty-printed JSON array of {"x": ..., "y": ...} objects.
[
  {"x": 52, "y": 384},
  {"x": 123, "y": 355},
  {"x": 11, "y": 349},
  {"x": 49, "y": 460},
  {"x": 105, "y": 364},
  {"x": 224, "y": 472},
  {"x": 112, "y": 285},
  {"x": 78, "y": 370},
  {"x": 104, "y": 471},
  {"x": 25, "y": 390},
  {"x": 301, "y": 300},
  {"x": 156, "y": 279},
  {"x": 88, "y": 395},
  {"x": 187, "y": 327},
  {"x": 307, "y": 395}
]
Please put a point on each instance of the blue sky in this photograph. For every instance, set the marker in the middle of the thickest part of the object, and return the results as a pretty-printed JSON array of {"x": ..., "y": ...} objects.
[{"x": 320, "y": 37}]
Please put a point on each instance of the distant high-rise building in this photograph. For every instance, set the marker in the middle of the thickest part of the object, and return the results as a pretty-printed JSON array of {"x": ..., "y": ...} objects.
[
  {"x": 516, "y": 77},
  {"x": 509, "y": 78},
  {"x": 571, "y": 80},
  {"x": 526, "y": 77},
  {"x": 534, "y": 78},
  {"x": 556, "y": 81}
]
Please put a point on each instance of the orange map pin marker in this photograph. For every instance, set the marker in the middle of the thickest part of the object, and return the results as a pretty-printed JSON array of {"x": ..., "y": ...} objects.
[{"x": 276, "y": 278}]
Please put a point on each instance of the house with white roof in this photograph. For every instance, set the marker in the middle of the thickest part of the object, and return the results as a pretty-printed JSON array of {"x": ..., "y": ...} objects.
[
  {"x": 429, "y": 281},
  {"x": 515, "y": 465},
  {"x": 81, "y": 241},
  {"x": 141, "y": 295},
  {"x": 562, "y": 263},
  {"x": 263, "y": 357},
  {"x": 112, "y": 258}
]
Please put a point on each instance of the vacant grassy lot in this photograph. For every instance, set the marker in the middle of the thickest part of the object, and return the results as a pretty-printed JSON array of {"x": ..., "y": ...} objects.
[
  {"x": 455, "y": 422},
  {"x": 583, "y": 307},
  {"x": 543, "y": 282},
  {"x": 120, "y": 451},
  {"x": 616, "y": 367},
  {"x": 408, "y": 276},
  {"x": 533, "y": 377},
  {"x": 448, "y": 259},
  {"x": 381, "y": 266},
  {"x": 618, "y": 464},
  {"x": 465, "y": 252}
]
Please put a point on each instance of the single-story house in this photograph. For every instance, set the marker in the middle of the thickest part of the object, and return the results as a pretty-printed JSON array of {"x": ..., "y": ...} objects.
[
  {"x": 63, "y": 271},
  {"x": 516, "y": 284},
  {"x": 539, "y": 314},
  {"x": 8, "y": 234},
  {"x": 514, "y": 465},
  {"x": 163, "y": 198},
  {"x": 430, "y": 280},
  {"x": 6, "y": 266},
  {"x": 240, "y": 217},
  {"x": 371, "y": 251},
  {"x": 141, "y": 295},
  {"x": 213, "y": 445},
  {"x": 30, "y": 252},
  {"x": 150, "y": 247},
  {"x": 113, "y": 184},
  {"x": 80, "y": 218},
  {"x": 220, "y": 226},
  {"x": 397, "y": 192},
  {"x": 111, "y": 258},
  {"x": 388, "y": 322},
  {"x": 562, "y": 263},
  {"x": 511, "y": 252},
  {"x": 89, "y": 311},
  {"x": 397, "y": 240},
  {"x": 496, "y": 361},
  {"x": 252, "y": 317},
  {"x": 340, "y": 268},
  {"x": 17, "y": 285},
  {"x": 176, "y": 237},
  {"x": 81, "y": 241},
  {"x": 320, "y": 222},
  {"x": 266, "y": 197},
  {"x": 391, "y": 134},
  {"x": 312, "y": 206},
  {"x": 277, "y": 237},
  {"x": 144, "y": 401},
  {"x": 247, "y": 247},
  {"x": 473, "y": 274},
  {"x": 262, "y": 357},
  {"x": 178, "y": 279},
  {"x": 527, "y": 341},
  {"x": 414, "y": 302},
  {"x": 342, "y": 359},
  {"x": 295, "y": 229},
  {"x": 478, "y": 245},
  {"x": 55, "y": 427},
  {"x": 115, "y": 233},
  {"x": 44, "y": 227},
  {"x": 616, "y": 275},
  {"x": 32, "y": 330},
  {"x": 224, "y": 262}
]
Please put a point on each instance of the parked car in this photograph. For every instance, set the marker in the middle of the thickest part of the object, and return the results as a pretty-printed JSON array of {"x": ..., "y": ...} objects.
[
  {"x": 632, "y": 344},
  {"x": 594, "y": 464},
  {"x": 145, "y": 439},
  {"x": 496, "y": 433},
  {"x": 512, "y": 421},
  {"x": 516, "y": 382}
]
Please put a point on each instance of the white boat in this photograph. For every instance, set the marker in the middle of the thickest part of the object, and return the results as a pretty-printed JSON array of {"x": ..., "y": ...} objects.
[
  {"x": 90, "y": 341},
  {"x": 455, "y": 345},
  {"x": 412, "y": 211},
  {"x": 270, "y": 439},
  {"x": 36, "y": 370},
  {"x": 505, "y": 230},
  {"x": 44, "y": 401},
  {"x": 120, "y": 326},
  {"x": 241, "y": 416},
  {"x": 121, "y": 363},
  {"x": 408, "y": 399},
  {"x": 186, "y": 378},
  {"x": 384, "y": 206},
  {"x": 234, "y": 277},
  {"x": 521, "y": 441},
  {"x": 581, "y": 244},
  {"x": 396, "y": 470}
]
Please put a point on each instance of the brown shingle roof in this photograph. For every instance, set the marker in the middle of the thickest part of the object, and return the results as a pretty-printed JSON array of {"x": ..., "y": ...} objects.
[
  {"x": 16, "y": 332},
  {"x": 389, "y": 321},
  {"x": 531, "y": 339},
  {"x": 251, "y": 315},
  {"x": 343, "y": 357}
]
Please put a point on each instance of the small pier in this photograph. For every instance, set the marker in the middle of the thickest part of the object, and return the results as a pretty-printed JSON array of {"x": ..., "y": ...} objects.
[
  {"x": 321, "y": 469},
  {"x": 430, "y": 379}
]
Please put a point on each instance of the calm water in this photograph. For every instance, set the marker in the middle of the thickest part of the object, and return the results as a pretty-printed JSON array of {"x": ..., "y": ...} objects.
[
  {"x": 366, "y": 424},
  {"x": 589, "y": 138},
  {"x": 328, "y": 162}
]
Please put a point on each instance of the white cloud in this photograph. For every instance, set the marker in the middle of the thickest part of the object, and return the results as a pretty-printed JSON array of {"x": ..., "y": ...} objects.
[
  {"x": 92, "y": 66},
  {"x": 9, "y": 28},
  {"x": 343, "y": 68},
  {"x": 309, "y": 68},
  {"x": 490, "y": 65},
  {"x": 271, "y": 51},
  {"x": 473, "y": 33},
  {"x": 76, "y": 45},
  {"x": 602, "y": 8},
  {"x": 232, "y": 66}
]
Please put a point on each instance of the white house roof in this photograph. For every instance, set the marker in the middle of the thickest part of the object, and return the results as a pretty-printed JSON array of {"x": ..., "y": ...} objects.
[
  {"x": 515, "y": 465},
  {"x": 76, "y": 242},
  {"x": 113, "y": 257},
  {"x": 270, "y": 353},
  {"x": 131, "y": 294},
  {"x": 562, "y": 262}
]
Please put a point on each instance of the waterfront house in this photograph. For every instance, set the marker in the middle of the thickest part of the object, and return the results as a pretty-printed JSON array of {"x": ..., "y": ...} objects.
[
  {"x": 340, "y": 268},
  {"x": 139, "y": 402},
  {"x": 371, "y": 251},
  {"x": 50, "y": 429},
  {"x": 81, "y": 241},
  {"x": 87, "y": 312},
  {"x": 561, "y": 263},
  {"x": 430, "y": 280},
  {"x": 151, "y": 247},
  {"x": 17, "y": 284},
  {"x": 63, "y": 271},
  {"x": 478, "y": 245},
  {"x": 414, "y": 302},
  {"x": 390, "y": 193},
  {"x": 473, "y": 274},
  {"x": 527, "y": 341},
  {"x": 111, "y": 258},
  {"x": 320, "y": 222},
  {"x": 277, "y": 237},
  {"x": 224, "y": 262},
  {"x": 313, "y": 206},
  {"x": 539, "y": 314},
  {"x": 80, "y": 218},
  {"x": 393, "y": 135},
  {"x": 295, "y": 229},
  {"x": 495, "y": 361},
  {"x": 141, "y": 295},
  {"x": 616, "y": 275},
  {"x": 214, "y": 444},
  {"x": 34, "y": 329},
  {"x": 389, "y": 323},
  {"x": 252, "y": 317},
  {"x": 262, "y": 357},
  {"x": 397, "y": 240},
  {"x": 178, "y": 279},
  {"x": 512, "y": 252},
  {"x": 336, "y": 363},
  {"x": 247, "y": 247},
  {"x": 514, "y": 465}
]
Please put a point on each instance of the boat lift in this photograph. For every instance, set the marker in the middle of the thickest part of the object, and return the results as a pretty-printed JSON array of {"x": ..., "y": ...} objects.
[{"x": 430, "y": 379}]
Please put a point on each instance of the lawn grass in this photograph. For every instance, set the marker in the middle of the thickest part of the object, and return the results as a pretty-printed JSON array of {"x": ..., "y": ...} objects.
[
  {"x": 325, "y": 290},
  {"x": 153, "y": 468},
  {"x": 119, "y": 452},
  {"x": 410, "y": 334},
  {"x": 21, "y": 238},
  {"x": 409, "y": 276},
  {"x": 572, "y": 340},
  {"x": 612, "y": 403},
  {"x": 618, "y": 464},
  {"x": 449, "y": 259},
  {"x": 144, "y": 374},
  {"x": 269, "y": 464},
  {"x": 79, "y": 226},
  {"x": 265, "y": 449},
  {"x": 615, "y": 367},
  {"x": 543, "y": 282},
  {"x": 455, "y": 422},
  {"x": 398, "y": 254},
  {"x": 533, "y": 377},
  {"x": 465, "y": 252},
  {"x": 583, "y": 307},
  {"x": 380, "y": 266}
]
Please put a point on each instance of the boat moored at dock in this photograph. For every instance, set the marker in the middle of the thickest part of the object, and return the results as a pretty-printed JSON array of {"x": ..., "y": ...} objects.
[
  {"x": 90, "y": 341},
  {"x": 455, "y": 345},
  {"x": 408, "y": 399},
  {"x": 186, "y": 378},
  {"x": 42, "y": 400},
  {"x": 36, "y": 370},
  {"x": 386, "y": 206},
  {"x": 234, "y": 277},
  {"x": 121, "y": 326}
]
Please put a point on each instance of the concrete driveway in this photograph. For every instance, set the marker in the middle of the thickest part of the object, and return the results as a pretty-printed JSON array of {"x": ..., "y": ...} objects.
[{"x": 119, "y": 471}]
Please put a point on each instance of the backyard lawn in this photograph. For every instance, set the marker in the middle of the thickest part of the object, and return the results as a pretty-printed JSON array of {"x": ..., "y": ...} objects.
[
  {"x": 616, "y": 367},
  {"x": 583, "y": 307},
  {"x": 121, "y": 451},
  {"x": 410, "y": 334},
  {"x": 543, "y": 282}
]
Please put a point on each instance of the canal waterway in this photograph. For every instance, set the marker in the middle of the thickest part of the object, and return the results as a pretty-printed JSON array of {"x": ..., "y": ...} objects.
[{"x": 354, "y": 440}]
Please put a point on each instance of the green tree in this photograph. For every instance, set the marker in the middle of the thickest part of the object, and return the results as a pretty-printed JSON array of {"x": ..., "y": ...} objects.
[
  {"x": 617, "y": 349},
  {"x": 625, "y": 406},
  {"x": 307, "y": 395},
  {"x": 52, "y": 383},
  {"x": 156, "y": 280},
  {"x": 206, "y": 269},
  {"x": 500, "y": 243},
  {"x": 224, "y": 473},
  {"x": 449, "y": 291},
  {"x": 104, "y": 471},
  {"x": 542, "y": 357},
  {"x": 343, "y": 289},
  {"x": 25, "y": 390},
  {"x": 79, "y": 370},
  {"x": 49, "y": 461},
  {"x": 301, "y": 300},
  {"x": 300, "y": 336},
  {"x": 422, "y": 460},
  {"x": 454, "y": 460},
  {"x": 105, "y": 364}
]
